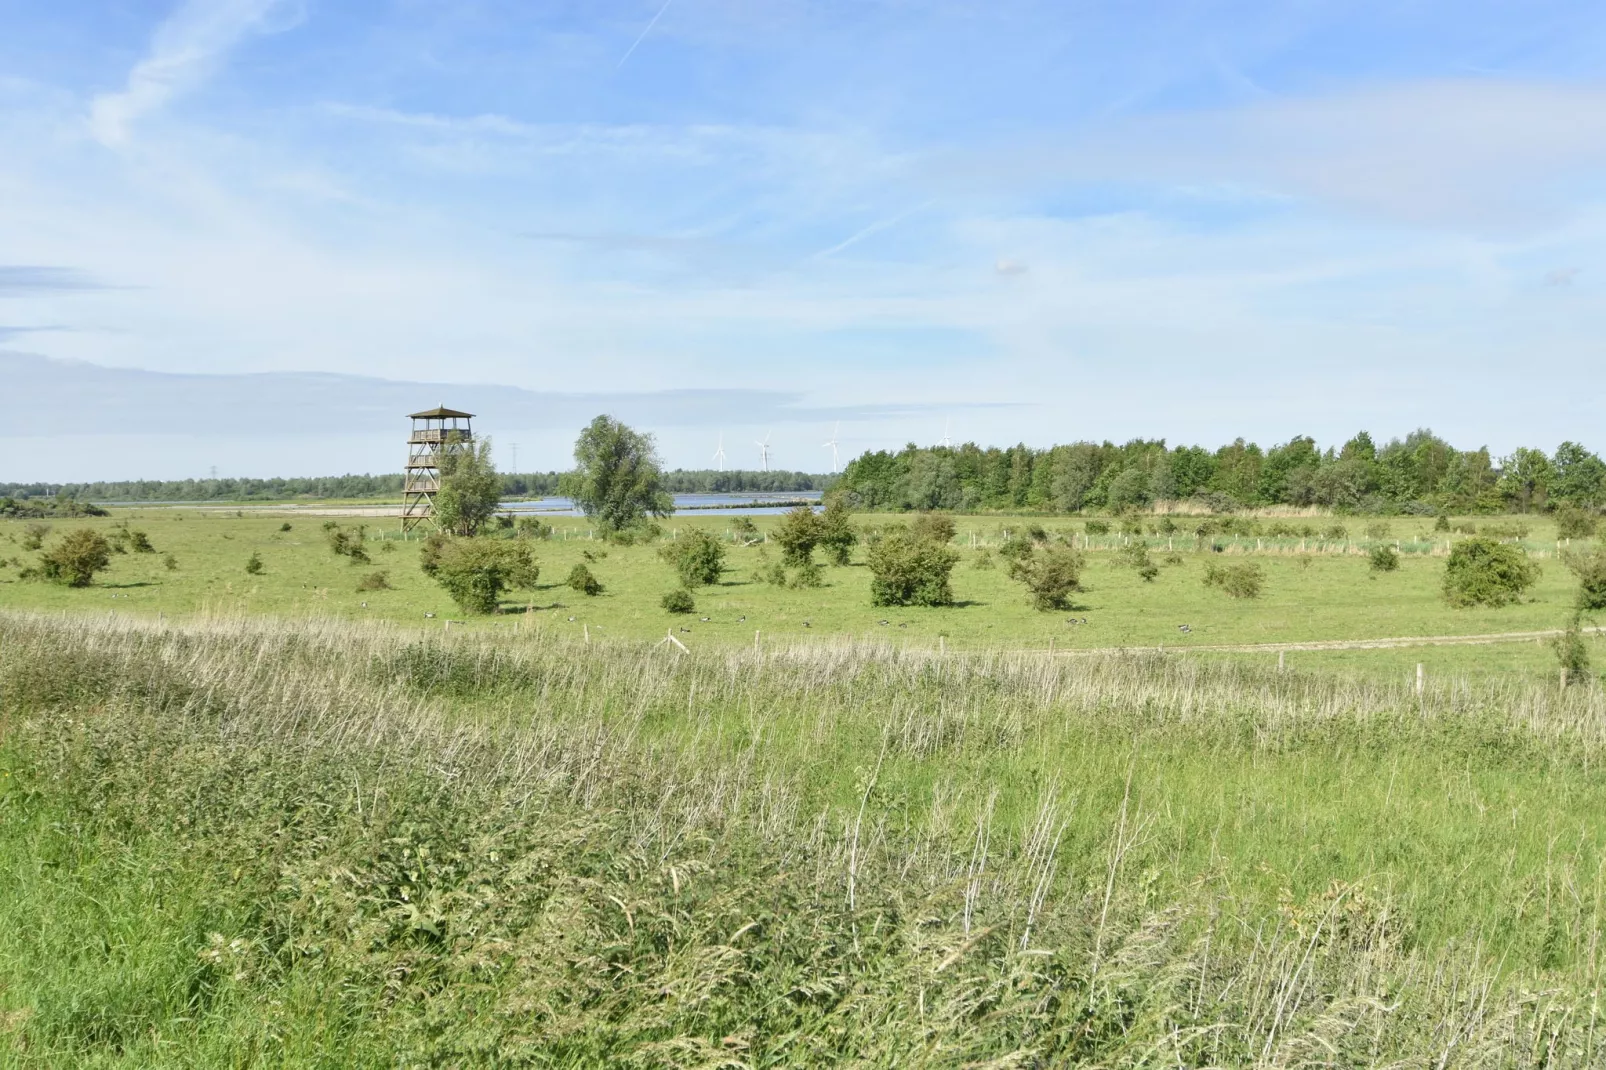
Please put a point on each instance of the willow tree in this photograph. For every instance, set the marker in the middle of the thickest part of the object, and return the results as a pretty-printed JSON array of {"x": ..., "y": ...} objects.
[{"x": 618, "y": 478}]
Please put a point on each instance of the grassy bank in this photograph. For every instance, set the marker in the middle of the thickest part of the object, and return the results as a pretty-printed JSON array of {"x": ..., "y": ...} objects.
[{"x": 246, "y": 843}]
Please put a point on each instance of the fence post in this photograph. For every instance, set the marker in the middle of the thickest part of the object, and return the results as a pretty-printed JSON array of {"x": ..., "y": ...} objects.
[
  {"x": 1420, "y": 682},
  {"x": 1280, "y": 662}
]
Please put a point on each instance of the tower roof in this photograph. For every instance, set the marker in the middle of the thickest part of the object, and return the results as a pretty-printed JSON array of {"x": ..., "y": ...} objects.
[{"x": 440, "y": 411}]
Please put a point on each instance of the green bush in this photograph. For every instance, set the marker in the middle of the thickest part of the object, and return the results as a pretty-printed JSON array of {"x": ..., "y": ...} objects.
[
  {"x": 1051, "y": 576},
  {"x": 1590, "y": 568},
  {"x": 253, "y": 564},
  {"x": 1574, "y": 523},
  {"x": 475, "y": 571},
  {"x": 1383, "y": 559},
  {"x": 34, "y": 536},
  {"x": 697, "y": 557},
  {"x": 910, "y": 571},
  {"x": 170, "y": 563},
  {"x": 348, "y": 544},
  {"x": 1236, "y": 581},
  {"x": 679, "y": 600},
  {"x": 984, "y": 561},
  {"x": 1097, "y": 527},
  {"x": 808, "y": 575},
  {"x": 285, "y": 526},
  {"x": 581, "y": 580},
  {"x": 836, "y": 535},
  {"x": 76, "y": 558},
  {"x": 1483, "y": 571},
  {"x": 1442, "y": 523},
  {"x": 798, "y": 533},
  {"x": 374, "y": 581},
  {"x": 1335, "y": 533},
  {"x": 1571, "y": 652},
  {"x": 1510, "y": 529},
  {"x": 746, "y": 531}
]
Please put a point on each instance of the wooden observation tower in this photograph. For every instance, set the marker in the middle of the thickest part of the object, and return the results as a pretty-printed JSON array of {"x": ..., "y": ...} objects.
[{"x": 436, "y": 433}]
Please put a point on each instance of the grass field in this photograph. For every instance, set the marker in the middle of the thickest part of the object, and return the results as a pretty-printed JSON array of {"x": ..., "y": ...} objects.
[
  {"x": 1313, "y": 591},
  {"x": 260, "y": 843}
]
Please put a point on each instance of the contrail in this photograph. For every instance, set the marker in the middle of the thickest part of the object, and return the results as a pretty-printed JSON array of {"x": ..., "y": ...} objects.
[
  {"x": 874, "y": 228},
  {"x": 644, "y": 33}
]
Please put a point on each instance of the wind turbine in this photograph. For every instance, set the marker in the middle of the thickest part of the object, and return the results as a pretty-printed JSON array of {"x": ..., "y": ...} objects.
[
  {"x": 832, "y": 444},
  {"x": 764, "y": 450},
  {"x": 719, "y": 454},
  {"x": 946, "y": 443}
]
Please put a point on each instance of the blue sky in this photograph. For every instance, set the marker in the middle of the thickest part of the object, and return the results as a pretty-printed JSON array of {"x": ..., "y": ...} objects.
[{"x": 1030, "y": 221}]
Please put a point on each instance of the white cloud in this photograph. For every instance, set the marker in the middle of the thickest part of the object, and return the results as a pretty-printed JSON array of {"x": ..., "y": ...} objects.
[{"x": 184, "y": 52}]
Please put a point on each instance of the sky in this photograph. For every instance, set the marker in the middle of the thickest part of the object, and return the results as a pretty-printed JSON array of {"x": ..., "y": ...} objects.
[{"x": 878, "y": 221}]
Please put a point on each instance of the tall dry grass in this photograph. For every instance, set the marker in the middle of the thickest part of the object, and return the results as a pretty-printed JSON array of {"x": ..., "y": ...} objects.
[{"x": 258, "y": 841}]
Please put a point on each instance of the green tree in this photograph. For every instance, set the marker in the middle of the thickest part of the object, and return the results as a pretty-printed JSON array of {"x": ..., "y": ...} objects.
[
  {"x": 475, "y": 572},
  {"x": 1483, "y": 571},
  {"x": 679, "y": 600},
  {"x": 1525, "y": 478},
  {"x": 470, "y": 489},
  {"x": 836, "y": 534},
  {"x": 1578, "y": 476},
  {"x": 798, "y": 533},
  {"x": 1051, "y": 575},
  {"x": 618, "y": 479},
  {"x": 1573, "y": 523},
  {"x": 907, "y": 570},
  {"x": 698, "y": 558},
  {"x": 76, "y": 558}
]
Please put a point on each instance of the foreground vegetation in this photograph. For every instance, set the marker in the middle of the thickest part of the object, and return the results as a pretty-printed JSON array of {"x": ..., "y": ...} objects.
[{"x": 241, "y": 843}]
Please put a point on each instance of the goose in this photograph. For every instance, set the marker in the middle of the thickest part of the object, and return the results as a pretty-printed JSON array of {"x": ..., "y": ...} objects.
[
  {"x": 363, "y": 604},
  {"x": 429, "y": 614},
  {"x": 883, "y": 623},
  {"x": 1183, "y": 628},
  {"x": 571, "y": 620},
  {"x": 742, "y": 619},
  {"x": 705, "y": 620},
  {"x": 806, "y": 624},
  {"x": 686, "y": 630}
]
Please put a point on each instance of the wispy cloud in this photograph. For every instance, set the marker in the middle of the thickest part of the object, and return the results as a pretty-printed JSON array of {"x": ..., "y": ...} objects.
[
  {"x": 185, "y": 51},
  {"x": 29, "y": 279}
]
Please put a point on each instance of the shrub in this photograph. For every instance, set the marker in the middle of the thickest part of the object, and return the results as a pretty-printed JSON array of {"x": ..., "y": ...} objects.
[
  {"x": 1441, "y": 524},
  {"x": 1236, "y": 581},
  {"x": 76, "y": 558},
  {"x": 984, "y": 561},
  {"x": 531, "y": 527},
  {"x": 1381, "y": 531},
  {"x": 581, "y": 580},
  {"x": 1282, "y": 530},
  {"x": 170, "y": 563},
  {"x": 1097, "y": 527},
  {"x": 1016, "y": 546},
  {"x": 1571, "y": 652},
  {"x": 1335, "y": 533},
  {"x": 808, "y": 575},
  {"x": 348, "y": 544},
  {"x": 1485, "y": 572},
  {"x": 475, "y": 571},
  {"x": 746, "y": 530},
  {"x": 910, "y": 571},
  {"x": 140, "y": 542},
  {"x": 1384, "y": 559},
  {"x": 374, "y": 581},
  {"x": 1574, "y": 523},
  {"x": 285, "y": 526},
  {"x": 1590, "y": 568},
  {"x": 836, "y": 534},
  {"x": 330, "y": 525},
  {"x": 1468, "y": 528},
  {"x": 798, "y": 533},
  {"x": 1051, "y": 576},
  {"x": 679, "y": 600},
  {"x": 1136, "y": 556},
  {"x": 772, "y": 572},
  {"x": 697, "y": 558},
  {"x": 939, "y": 528},
  {"x": 253, "y": 564},
  {"x": 34, "y": 536}
]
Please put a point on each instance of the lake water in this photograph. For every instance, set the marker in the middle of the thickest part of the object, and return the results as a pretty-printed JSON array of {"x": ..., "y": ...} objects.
[{"x": 692, "y": 504}]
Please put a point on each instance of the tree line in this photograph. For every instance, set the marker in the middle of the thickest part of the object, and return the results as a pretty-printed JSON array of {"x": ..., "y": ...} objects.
[
  {"x": 1421, "y": 473},
  {"x": 513, "y": 485}
]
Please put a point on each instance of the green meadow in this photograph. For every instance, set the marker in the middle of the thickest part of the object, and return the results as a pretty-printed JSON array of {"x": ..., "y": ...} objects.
[{"x": 1314, "y": 590}]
